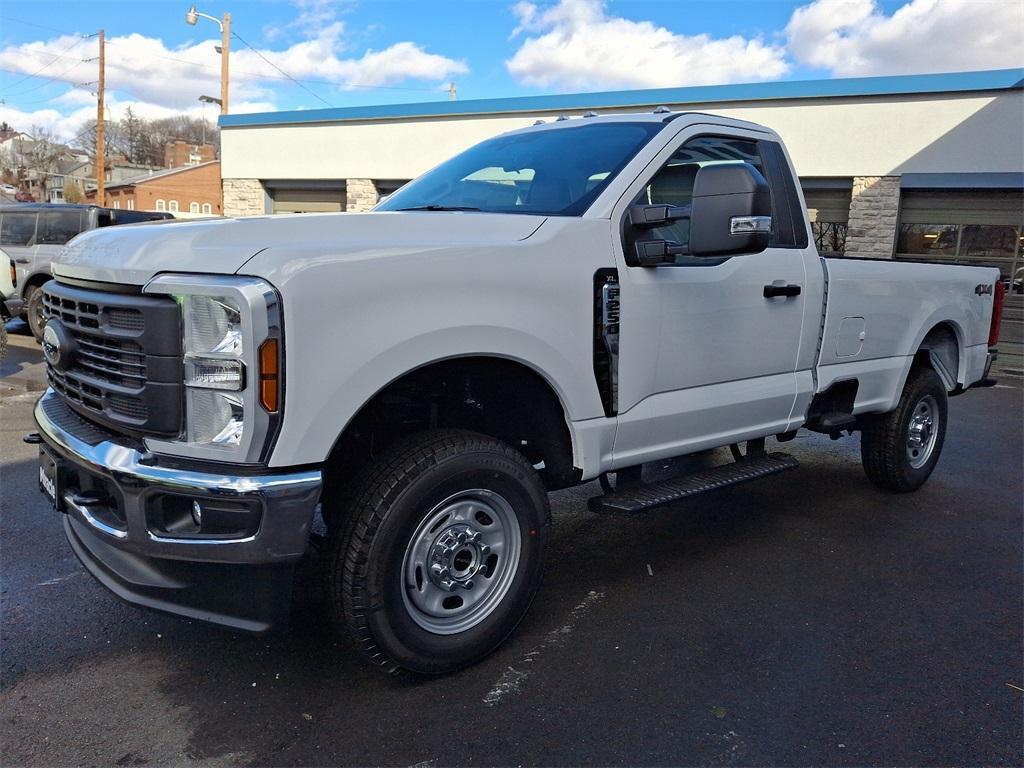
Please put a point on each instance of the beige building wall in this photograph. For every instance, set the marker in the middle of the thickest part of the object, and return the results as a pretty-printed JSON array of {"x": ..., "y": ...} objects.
[
  {"x": 867, "y": 136},
  {"x": 871, "y": 139}
]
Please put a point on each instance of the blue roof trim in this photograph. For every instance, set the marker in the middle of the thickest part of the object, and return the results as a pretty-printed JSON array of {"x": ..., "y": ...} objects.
[{"x": 997, "y": 79}]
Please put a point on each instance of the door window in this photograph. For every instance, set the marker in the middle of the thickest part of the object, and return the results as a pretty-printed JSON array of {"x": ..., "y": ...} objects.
[
  {"x": 57, "y": 227},
  {"x": 18, "y": 229},
  {"x": 673, "y": 184}
]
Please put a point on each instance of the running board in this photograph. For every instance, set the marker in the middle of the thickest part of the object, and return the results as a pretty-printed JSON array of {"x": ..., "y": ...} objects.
[{"x": 640, "y": 498}]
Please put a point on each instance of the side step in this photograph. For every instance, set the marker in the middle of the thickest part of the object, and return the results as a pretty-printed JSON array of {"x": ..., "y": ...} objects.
[{"x": 640, "y": 498}]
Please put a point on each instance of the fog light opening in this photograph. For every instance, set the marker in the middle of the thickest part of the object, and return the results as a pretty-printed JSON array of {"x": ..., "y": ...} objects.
[{"x": 197, "y": 514}]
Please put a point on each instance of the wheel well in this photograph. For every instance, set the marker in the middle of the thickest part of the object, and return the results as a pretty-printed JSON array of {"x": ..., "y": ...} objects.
[
  {"x": 34, "y": 282},
  {"x": 940, "y": 351},
  {"x": 493, "y": 396}
]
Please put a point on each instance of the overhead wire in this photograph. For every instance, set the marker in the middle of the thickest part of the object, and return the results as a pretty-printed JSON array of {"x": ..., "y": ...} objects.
[{"x": 56, "y": 57}]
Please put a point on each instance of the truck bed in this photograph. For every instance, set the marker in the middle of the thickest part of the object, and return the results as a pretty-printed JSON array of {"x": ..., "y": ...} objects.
[{"x": 878, "y": 312}]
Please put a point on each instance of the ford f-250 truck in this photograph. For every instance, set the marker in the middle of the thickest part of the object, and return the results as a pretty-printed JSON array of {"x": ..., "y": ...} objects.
[{"x": 557, "y": 304}]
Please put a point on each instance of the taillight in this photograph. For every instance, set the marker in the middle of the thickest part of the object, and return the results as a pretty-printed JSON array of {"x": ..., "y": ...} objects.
[
  {"x": 998, "y": 298},
  {"x": 270, "y": 376},
  {"x": 14, "y": 276}
]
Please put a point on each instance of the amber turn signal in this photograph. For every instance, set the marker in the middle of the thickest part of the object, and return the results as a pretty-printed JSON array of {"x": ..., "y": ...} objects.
[{"x": 269, "y": 376}]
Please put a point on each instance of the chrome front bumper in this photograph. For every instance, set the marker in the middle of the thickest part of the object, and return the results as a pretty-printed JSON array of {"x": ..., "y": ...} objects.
[{"x": 240, "y": 581}]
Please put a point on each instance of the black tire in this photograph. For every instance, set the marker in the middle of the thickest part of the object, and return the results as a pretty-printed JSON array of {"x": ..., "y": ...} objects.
[
  {"x": 368, "y": 557},
  {"x": 3, "y": 338},
  {"x": 885, "y": 448},
  {"x": 34, "y": 312}
]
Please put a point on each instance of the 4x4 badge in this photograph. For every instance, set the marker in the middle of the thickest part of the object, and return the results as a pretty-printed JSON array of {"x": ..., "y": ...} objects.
[{"x": 981, "y": 290}]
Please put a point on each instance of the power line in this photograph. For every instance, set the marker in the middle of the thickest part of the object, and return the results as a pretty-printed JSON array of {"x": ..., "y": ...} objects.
[
  {"x": 56, "y": 56},
  {"x": 308, "y": 90},
  {"x": 47, "y": 80}
]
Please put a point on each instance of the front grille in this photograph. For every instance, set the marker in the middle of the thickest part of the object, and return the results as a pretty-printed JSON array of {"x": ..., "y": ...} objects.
[{"x": 123, "y": 365}]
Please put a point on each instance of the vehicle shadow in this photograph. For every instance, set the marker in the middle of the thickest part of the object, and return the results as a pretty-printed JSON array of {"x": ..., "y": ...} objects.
[{"x": 21, "y": 353}]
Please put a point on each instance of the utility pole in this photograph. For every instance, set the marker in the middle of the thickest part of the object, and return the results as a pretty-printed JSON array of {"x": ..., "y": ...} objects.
[
  {"x": 451, "y": 90},
  {"x": 225, "y": 49},
  {"x": 101, "y": 155}
]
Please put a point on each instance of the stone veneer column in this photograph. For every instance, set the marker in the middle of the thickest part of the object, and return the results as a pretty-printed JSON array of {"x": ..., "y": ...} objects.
[
  {"x": 874, "y": 208},
  {"x": 243, "y": 197},
  {"x": 360, "y": 194}
]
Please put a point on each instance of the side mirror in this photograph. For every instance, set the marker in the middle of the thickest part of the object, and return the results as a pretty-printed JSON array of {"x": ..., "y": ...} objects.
[{"x": 731, "y": 211}]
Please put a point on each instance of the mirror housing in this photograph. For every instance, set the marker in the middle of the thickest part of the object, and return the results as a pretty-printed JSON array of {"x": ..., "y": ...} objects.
[
  {"x": 654, "y": 253},
  {"x": 731, "y": 211},
  {"x": 653, "y": 216}
]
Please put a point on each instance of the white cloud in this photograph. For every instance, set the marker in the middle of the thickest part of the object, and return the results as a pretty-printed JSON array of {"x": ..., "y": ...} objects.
[
  {"x": 855, "y": 37},
  {"x": 576, "y": 44},
  {"x": 159, "y": 80}
]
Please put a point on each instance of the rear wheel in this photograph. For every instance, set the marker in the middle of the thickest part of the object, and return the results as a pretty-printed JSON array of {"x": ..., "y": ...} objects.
[
  {"x": 901, "y": 448},
  {"x": 442, "y": 552},
  {"x": 34, "y": 312}
]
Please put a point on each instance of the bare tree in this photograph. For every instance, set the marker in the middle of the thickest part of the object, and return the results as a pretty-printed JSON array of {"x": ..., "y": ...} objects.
[{"x": 42, "y": 156}]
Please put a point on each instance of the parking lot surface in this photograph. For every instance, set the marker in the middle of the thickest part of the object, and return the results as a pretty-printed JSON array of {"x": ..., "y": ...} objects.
[{"x": 805, "y": 619}]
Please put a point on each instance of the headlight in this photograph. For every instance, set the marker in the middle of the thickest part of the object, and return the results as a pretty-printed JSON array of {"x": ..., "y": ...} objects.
[{"x": 232, "y": 371}]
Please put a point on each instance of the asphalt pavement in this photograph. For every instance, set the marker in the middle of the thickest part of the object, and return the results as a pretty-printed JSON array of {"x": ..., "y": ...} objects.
[{"x": 808, "y": 619}]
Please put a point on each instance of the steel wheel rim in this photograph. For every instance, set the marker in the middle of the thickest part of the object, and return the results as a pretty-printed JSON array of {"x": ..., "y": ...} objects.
[
  {"x": 922, "y": 431},
  {"x": 461, "y": 561}
]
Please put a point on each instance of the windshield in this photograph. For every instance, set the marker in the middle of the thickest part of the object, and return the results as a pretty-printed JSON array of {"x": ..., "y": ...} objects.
[{"x": 557, "y": 172}]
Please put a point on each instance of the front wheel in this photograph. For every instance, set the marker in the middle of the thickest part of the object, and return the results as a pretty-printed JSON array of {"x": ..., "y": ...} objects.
[
  {"x": 442, "y": 552},
  {"x": 900, "y": 449},
  {"x": 34, "y": 312}
]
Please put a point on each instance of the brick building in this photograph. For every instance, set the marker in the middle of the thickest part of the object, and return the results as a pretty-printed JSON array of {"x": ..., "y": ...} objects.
[
  {"x": 186, "y": 192},
  {"x": 179, "y": 152}
]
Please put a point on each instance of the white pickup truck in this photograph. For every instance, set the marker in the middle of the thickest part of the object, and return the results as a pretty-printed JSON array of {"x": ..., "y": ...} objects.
[{"x": 555, "y": 305}]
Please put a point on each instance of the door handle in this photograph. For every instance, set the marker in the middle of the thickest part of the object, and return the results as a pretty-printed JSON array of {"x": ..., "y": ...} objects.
[
  {"x": 771, "y": 291},
  {"x": 22, "y": 260}
]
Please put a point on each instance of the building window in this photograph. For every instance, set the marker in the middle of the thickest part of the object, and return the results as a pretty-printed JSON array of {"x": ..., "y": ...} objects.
[
  {"x": 193, "y": 207},
  {"x": 172, "y": 206},
  {"x": 117, "y": 204},
  {"x": 131, "y": 203},
  {"x": 161, "y": 205},
  {"x": 829, "y": 236},
  {"x": 989, "y": 245},
  {"x": 928, "y": 239},
  {"x": 207, "y": 208}
]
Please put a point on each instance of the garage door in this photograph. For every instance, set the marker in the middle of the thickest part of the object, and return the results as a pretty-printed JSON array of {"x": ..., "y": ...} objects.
[
  {"x": 289, "y": 199},
  {"x": 972, "y": 227}
]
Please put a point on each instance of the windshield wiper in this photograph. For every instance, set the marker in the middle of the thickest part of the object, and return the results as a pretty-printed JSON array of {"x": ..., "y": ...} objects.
[{"x": 434, "y": 207}]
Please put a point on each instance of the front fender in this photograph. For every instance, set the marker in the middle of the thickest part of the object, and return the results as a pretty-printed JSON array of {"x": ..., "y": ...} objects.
[{"x": 316, "y": 417}]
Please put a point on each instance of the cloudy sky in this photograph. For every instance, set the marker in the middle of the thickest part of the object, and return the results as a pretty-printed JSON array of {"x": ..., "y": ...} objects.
[{"x": 347, "y": 52}]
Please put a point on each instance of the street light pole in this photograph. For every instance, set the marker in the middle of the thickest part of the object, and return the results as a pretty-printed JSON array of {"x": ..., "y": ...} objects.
[
  {"x": 191, "y": 17},
  {"x": 225, "y": 47}
]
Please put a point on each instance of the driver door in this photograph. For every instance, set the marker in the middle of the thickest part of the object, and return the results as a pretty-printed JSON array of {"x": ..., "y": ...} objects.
[{"x": 705, "y": 358}]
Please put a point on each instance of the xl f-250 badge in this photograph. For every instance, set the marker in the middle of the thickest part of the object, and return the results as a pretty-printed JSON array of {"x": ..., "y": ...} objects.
[{"x": 983, "y": 289}]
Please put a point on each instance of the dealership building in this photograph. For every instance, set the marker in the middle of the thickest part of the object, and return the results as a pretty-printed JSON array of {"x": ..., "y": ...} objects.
[{"x": 913, "y": 166}]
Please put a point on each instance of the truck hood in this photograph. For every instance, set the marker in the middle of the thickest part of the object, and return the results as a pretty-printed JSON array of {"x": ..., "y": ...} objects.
[{"x": 132, "y": 254}]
